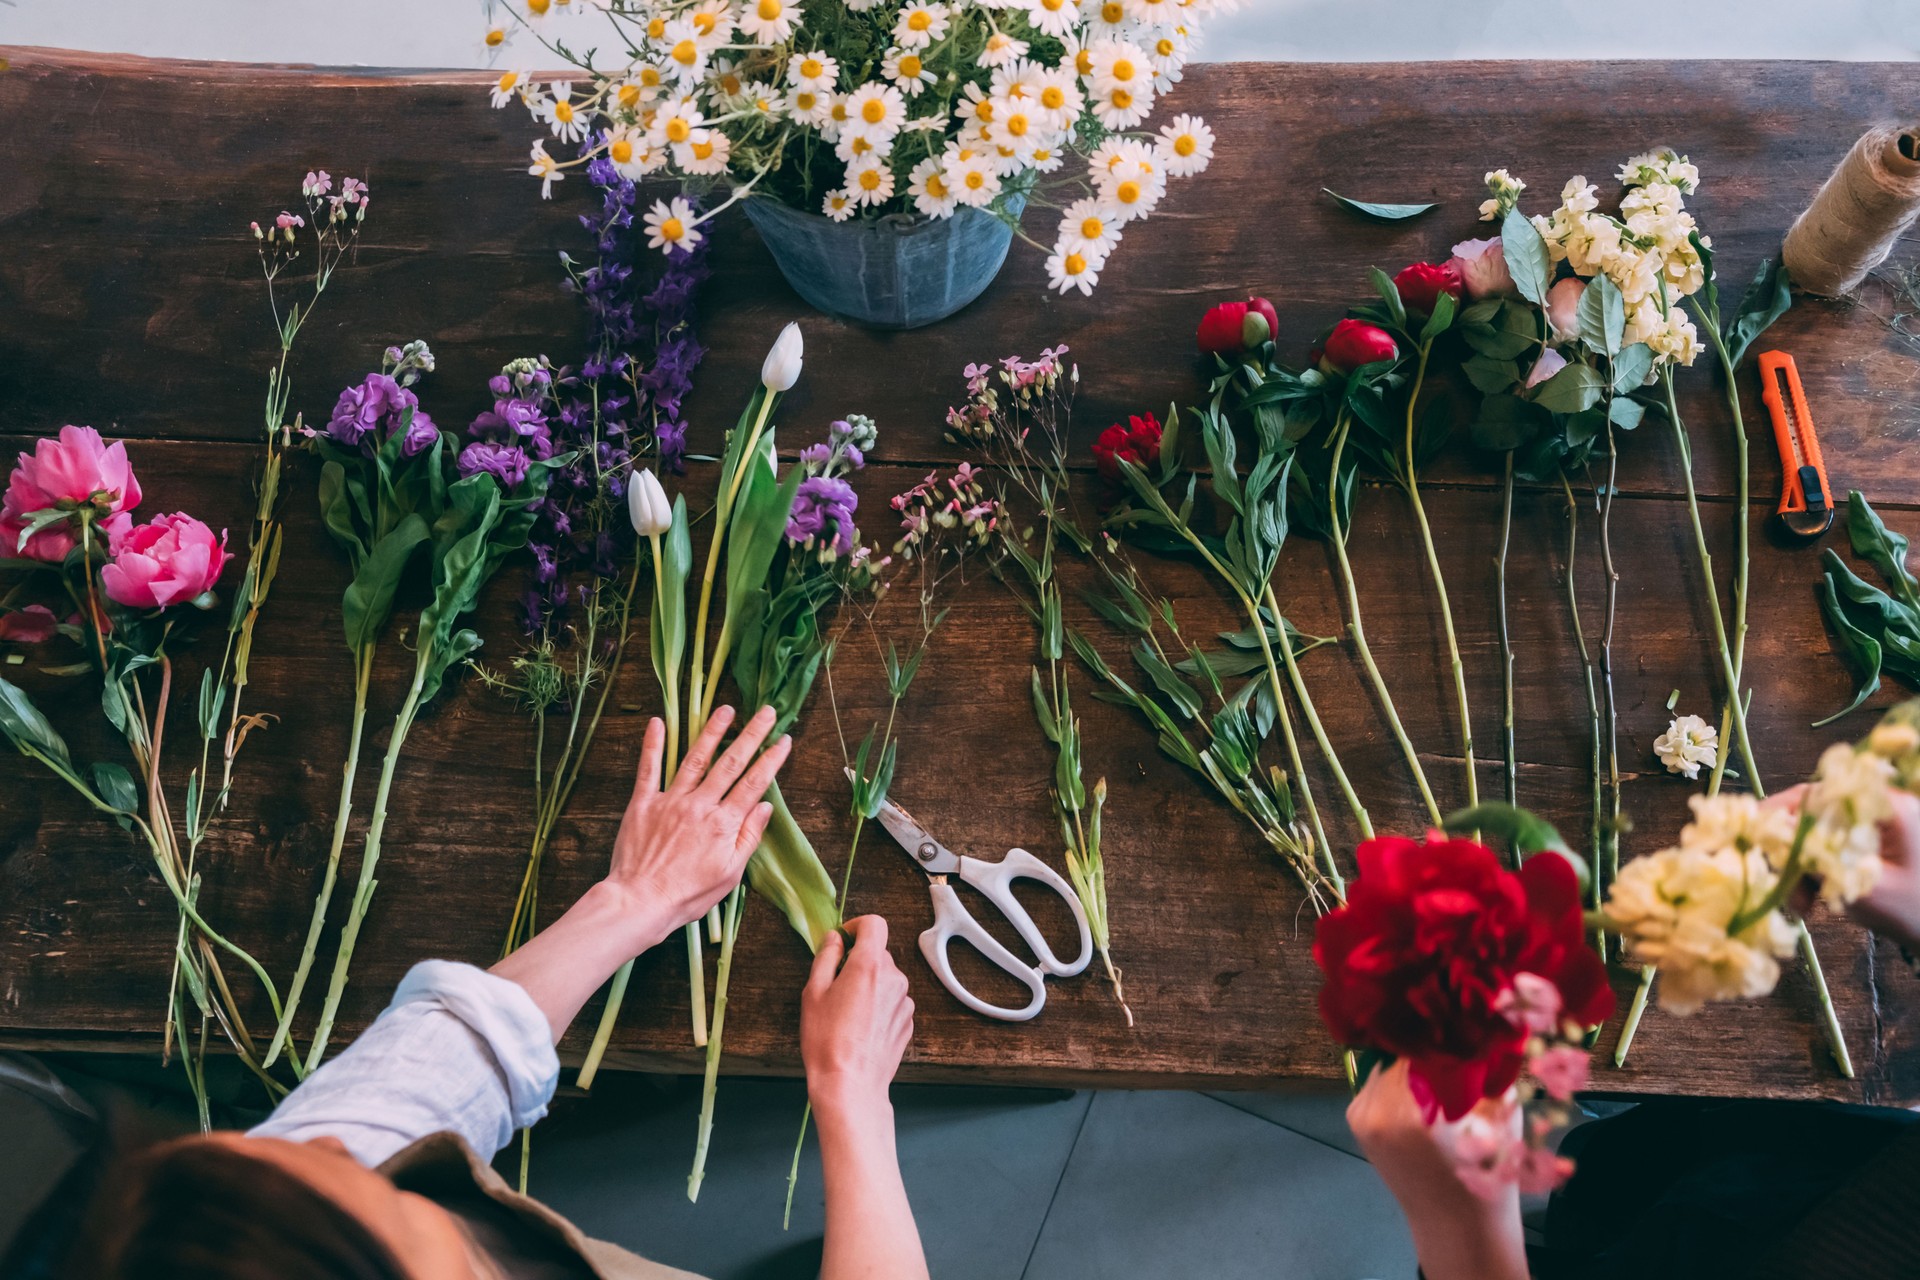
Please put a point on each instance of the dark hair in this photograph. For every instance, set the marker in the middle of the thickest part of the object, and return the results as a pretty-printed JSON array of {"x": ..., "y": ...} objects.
[{"x": 205, "y": 1210}]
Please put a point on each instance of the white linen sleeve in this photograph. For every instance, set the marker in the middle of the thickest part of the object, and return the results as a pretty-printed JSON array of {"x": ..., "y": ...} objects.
[{"x": 459, "y": 1050}]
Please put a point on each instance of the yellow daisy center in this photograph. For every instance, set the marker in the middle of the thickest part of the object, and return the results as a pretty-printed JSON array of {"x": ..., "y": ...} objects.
[
  {"x": 1112, "y": 11},
  {"x": 1164, "y": 48},
  {"x": 678, "y": 130},
  {"x": 703, "y": 23},
  {"x": 984, "y": 110},
  {"x": 507, "y": 82},
  {"x": 869, "y": 179},
  {"x": 1184, "y": 145},
  {"x": 1122, "y": 99},
  {"x": 910, "y": 66},
  {"x": 650, "y": 77},
  {"x": 730, "y": 84},
  {"x": 686, "y": 53},
  {"x": 936, "y": 186},
  {"x": 538, "y": 6},
  {"x": 1074, "y": 265},
  {"x": 1017, "y": 126},
  {"x": 496, "y": 37},
  {"x": 1053, "y": 97},
  {"x": 656, "y": 28},
  {"x": 1083, "y": 63},
  {"x": 873, "y": 111},
  {"x": 629, "y": 95},
  {"x": 563, "y": 111},
  {"x": 975, "y": 180},
  {"x": 703, "y": 150},
  {"x": 804, "y": 101},
  {"x": 840, "y": 112},
  {"x": 672, "y": 230},
  {"x": 1053, "y": 6},
  {"x": 812, "y": 68},
  {"x": 1091, "y": 228},
  {"x": 769, "y": 10},
  {"x": 919, "y": 20},
  {"x": 861, "y": 146},
  {"x": 621, "y": 151},
  {"x": 1127, "y": 192},
  {"x": 1123, "y": 69}
]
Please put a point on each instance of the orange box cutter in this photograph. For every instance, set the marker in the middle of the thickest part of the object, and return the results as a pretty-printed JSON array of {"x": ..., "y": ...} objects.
[{"x": 1806, "y": 500}]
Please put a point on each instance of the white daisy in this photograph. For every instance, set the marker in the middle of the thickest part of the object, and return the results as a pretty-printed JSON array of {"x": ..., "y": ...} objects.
[
  {"x": 907, "y": 70},
  {"x": 1168, "y": 50},
  {"x": 809, "y": 106},
  {"x": 1053, "y": 17},
  {"x": 705, "y": 152},
  {"x": 1086, "y": 229},
  {"x": 724, "y": 78},
  {"x": 494, "y": 41},
  {"x": 763, "y": 99},
  {"x": 834, "y": 119},
  {"x": 974, "y": 105},
  {"x": 857, "y": 146},
  {"x": 1020, "y": 78},
  {"x": 870, "y": 181},
  {"x": 1002, "y": 49},
  {"x": 545, "y": 168},
  {"x": 567, "y": 120},
  {"x": 642, "y": 86},
  {"x": 713, "y": 22},
  {"x": 815, "y": 70},
  {"x": 1067, "y": 270},
  {"x": 971, "y": 175},
  {"x": 1130, "y": 188},
  {"x": 674, "y": 124},
  {"x": 920, "y": 24},
  {"x": 927, "y": 184},
  {"x": 627, "y": 148},
  {"x": 1153, "y": 13},
  {"x": 1060, "y": 97},
  {"x": 1105, "y": 17},
  {"x": 1185, "y": 146},
  {"x": 769, "y": 21},
  {"x": 687, "y": 54},
  {"x": 1018, "y": 126},
  {"x": 875, "y": 112},
  {"x": 509, "y": 86},
  {"x": 1120, "y": 64},
  {"x": 1122, "y": 108},
  {"x": 838, "y": 205},
  {"x": 1045, "y": 159},
  {"x": 670, "y": 226}
]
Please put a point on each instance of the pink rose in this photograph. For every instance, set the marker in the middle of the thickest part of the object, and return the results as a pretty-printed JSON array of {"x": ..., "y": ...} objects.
[
  {"x": 73, "y": 470},
  {"x": 168, "y": 560},
  {"x": 1482, "y": 265},
  {"x": 1549, "y": 363},
  {"x": 1563, "y": 307}
]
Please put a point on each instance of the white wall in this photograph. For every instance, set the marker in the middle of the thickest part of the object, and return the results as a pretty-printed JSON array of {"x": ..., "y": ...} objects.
[{"x": 445, "y": 33}]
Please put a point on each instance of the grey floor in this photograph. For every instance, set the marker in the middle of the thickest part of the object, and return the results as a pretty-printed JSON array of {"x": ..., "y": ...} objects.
[{"x": 1049, "y": 1185}]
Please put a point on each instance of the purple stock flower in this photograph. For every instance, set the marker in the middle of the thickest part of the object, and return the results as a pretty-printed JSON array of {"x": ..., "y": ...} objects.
[
  {"x": 504, "y": 462},
  {"x": 367, "y": 414},
  {"x": 823, "y": 511}
]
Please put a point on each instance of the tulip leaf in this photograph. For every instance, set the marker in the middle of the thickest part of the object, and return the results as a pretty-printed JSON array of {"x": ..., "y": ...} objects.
[
  {"x": 1880, "y": 546},
  {"x": 787, "y": 872},
  {"x": 1765, "y": 301},
  {"x": 1528, "y": 261},
  {"x": 1384, "y": 212},
  {"x": 1862, "y": 651}
]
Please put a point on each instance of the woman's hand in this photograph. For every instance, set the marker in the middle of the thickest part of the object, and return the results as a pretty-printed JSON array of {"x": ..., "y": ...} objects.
[
  {"x": 1457, "y": 1233},
  {"x": 854, "y": 1022},
  {"x": 682, "y": 849}
]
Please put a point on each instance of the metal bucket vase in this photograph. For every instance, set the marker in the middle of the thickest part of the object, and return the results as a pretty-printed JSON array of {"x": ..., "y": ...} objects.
[{"x": 897, "y": 272}]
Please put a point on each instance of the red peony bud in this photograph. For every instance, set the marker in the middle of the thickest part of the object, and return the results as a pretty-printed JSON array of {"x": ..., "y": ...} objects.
[
  {"x": 1260, "y": 308},
  {"x": 1230, "y": 328},
  {"x": 1422, "y": 284},
  {"x": 1138, "y": 442},
  {"x": 1354, "y": 343}
]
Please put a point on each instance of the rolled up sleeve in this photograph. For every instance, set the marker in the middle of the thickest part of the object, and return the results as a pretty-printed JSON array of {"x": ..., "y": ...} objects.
[{"x": 459, "y": 1050}]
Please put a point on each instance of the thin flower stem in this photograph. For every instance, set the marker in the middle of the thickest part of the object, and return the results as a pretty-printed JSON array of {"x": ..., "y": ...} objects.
[
  {"x": 710, "y": 1086},
  {"x": 1634, "y": 1011},
  {"x": 1357, "y": 628},
  {"x": 700, "y": 703},
  {"x": 1598, "y": 806},
  {"x": 1508, "y": 739},
  {"x": 603, "y": 1034},
  {"x": 1611, "y": 831},
  {"x": 1743, "y": 536},
  {"x": 362, "y": 678},
  {"x": 1286, "y": 719},
  {"x": 1319, "y": 731},
  {"x": 1410, "y": 481},
  {"x": 1836, "y": 1037}
]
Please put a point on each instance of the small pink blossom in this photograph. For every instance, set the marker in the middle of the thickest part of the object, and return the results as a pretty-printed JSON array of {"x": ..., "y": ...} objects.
[
  {"x": 317, "y": 184},
  {"x": 286, "y": 221},
  {"x": 1532, "y": 1004},
  {"x": 1537, "y": 1170},
  {"x": 169, "y": 560},
  {"x": 1561, "y": 1070}
]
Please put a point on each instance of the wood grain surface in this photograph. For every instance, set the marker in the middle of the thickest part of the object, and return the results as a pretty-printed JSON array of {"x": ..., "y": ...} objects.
[{"x": 130, "y": 299}]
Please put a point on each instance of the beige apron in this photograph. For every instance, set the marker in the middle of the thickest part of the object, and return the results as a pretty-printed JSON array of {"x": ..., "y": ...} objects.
[{"x": 519, "y": 1236}]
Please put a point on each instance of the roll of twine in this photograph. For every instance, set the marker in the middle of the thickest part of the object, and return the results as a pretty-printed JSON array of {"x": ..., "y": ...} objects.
[{"x": 1865, "y": 204}]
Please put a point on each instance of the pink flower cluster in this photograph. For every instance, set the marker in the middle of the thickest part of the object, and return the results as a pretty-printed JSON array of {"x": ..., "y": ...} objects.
[
  {"x": 958, "y": 503},
  {"x": 91, "y": 489}
]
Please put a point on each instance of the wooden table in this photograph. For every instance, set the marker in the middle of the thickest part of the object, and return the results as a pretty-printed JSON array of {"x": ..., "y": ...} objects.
[{"x": 130, "y": 299}]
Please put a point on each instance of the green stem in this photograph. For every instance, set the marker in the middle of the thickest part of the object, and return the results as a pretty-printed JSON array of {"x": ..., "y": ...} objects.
[
  {"x": 1743, "y": 535},
  {"x": 1836, "y": 1038},
  {"x": 1411, "y": 483},
  {"x": 700, "y": 703},
  {"x": 1319, "y": 731},
  {"x": 1285, "y": 717},
  {"x": 1598, "y": 804},
  {"x": 362, "y": 678},
  {"x": 1357, "y": 629},
  {"x": 1508, "y": 739},
  {"x": 710, "y": 1086},
  {"x": 1632, "y": 1024},
  {"x": 590, "y": 1067},
  {"x": 793, "y": 1170}
]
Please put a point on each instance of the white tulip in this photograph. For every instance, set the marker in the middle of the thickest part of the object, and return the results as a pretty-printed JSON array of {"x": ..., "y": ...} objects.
[
  {"x": 647, "y": 505},
  {"x": 782, "y": 368}
]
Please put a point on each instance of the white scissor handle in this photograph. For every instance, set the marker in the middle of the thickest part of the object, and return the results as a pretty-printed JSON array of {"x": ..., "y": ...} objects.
[
  {"x": 995, "y": 881},
  {"x": 952, "y": 920}
]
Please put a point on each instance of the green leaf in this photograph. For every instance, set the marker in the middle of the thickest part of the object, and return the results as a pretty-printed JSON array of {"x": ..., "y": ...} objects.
[
  {"x": 1389, "y": 295},
  {"x": 368, "y": 602},
  {"x": 1507, "y": 332},
  {"x": 1384, "y": 212},
  {"x": 1167, "y": 681},
  {"x": 1441, "y": 320},
  {"x": 1523, "y": 831},
  {"x": 1573, "y": 389},
  {"x": 1861, "y": 650},
  {"x": 1880, "y": 546},
  {"x": 213, "y": 696},
  {"x": 1602, "y": 316},
  {"x": 1527, "y": 258},
  {"x": 1765, "y": 301},
  {"x": 1042, "y": 710},
  {"x": 115, "y": 786},
  {"x": 28, "y": 729},
  {"x": 882, "y": 780},
  {"x": 1506, "y": 422},
  {"x": 1489, "y": 376},
  {"x": 1222, "y": 456},
  {"x": 1625, "y": 412},
  {"x": 787, "y": 872},
  {"x": 1631, "y": 367},
  {"x": 753, "y": 538}
]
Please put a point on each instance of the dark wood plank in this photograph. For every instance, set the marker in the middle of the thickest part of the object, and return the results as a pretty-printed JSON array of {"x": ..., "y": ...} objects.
[{"x": 128, "y": 298}]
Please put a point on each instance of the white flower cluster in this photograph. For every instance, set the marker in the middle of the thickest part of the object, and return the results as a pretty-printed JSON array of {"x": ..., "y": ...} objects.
[
  {"x": 1688, "y": 743},
  {"x": 1647, "y": 251},
  {"x": 924, "y": 105},
  {"x": 1707, "y": 912}
]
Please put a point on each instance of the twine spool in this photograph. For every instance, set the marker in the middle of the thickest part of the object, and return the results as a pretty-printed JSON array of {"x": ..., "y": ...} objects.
[{"x": 1869, "y": 199}]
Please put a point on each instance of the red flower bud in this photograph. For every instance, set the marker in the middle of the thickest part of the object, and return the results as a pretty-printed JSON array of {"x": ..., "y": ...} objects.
[
  {"x": 1138, "y": 442},
  {"x": 1422, "y": 284},
  {"x": 1354, "y": 343},
  {"x": 1229, "y": 328}
]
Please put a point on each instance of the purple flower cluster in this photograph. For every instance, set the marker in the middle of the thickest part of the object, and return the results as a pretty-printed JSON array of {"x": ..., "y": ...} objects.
[
  {"x": 824, "y": 506},
  {"x": 507, "y": 438},
  {"x": 368, "y": 414}
]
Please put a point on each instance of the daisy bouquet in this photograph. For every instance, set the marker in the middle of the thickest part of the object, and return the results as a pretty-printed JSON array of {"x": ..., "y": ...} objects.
[{"x": 921, "y": 108}]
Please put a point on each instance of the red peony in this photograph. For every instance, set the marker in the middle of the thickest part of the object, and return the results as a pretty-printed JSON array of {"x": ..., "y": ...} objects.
[
  {"x": 1229, "y": 328},
  {"x": 1138, "y": 442},
  {"x": 1431, "y": 938},
  {"x": 1354, "y": 343},
  {"x": 1422, "y": 284}
]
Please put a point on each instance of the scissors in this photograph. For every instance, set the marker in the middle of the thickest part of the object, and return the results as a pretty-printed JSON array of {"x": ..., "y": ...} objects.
[{"x": 951, "y": 919}]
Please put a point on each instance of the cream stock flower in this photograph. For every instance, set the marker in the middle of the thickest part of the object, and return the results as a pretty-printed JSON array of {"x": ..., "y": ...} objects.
[
  {"x": 1848, "y": 799},
  {"x": 1674, "y": 907},
  {"x": 1688, "y": 743}
]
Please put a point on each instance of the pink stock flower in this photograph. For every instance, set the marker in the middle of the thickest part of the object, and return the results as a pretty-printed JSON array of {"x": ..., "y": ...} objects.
[
  {"x": 73, "y": 470},
  {"x": 1482, "y": 265},
  {"x": 169, "y": 560},
  {"x": 1561, "y": 1070}
]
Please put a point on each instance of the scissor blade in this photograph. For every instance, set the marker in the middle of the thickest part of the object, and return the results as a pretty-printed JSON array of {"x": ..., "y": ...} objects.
[{"x": 932, "y": 856}]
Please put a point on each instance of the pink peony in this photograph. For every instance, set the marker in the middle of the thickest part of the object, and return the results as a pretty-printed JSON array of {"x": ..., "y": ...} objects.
[
  {"x": 1482, "y": 265},
  {"x": 73, "y": 470},
  {"x": 35, "y": 624},
  {"x": 1563, "y": 307},
  {"x": 167, "y": 561}
]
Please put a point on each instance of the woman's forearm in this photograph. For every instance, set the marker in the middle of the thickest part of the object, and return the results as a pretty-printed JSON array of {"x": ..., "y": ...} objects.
[
  {"x": 1471, "y": 1240},
  {"x": 870, "y": 1229},
  {"x": 565, "y": 963}
]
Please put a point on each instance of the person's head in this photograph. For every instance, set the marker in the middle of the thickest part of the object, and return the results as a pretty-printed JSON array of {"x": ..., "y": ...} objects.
[{"x": 225, "y": 1207}]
